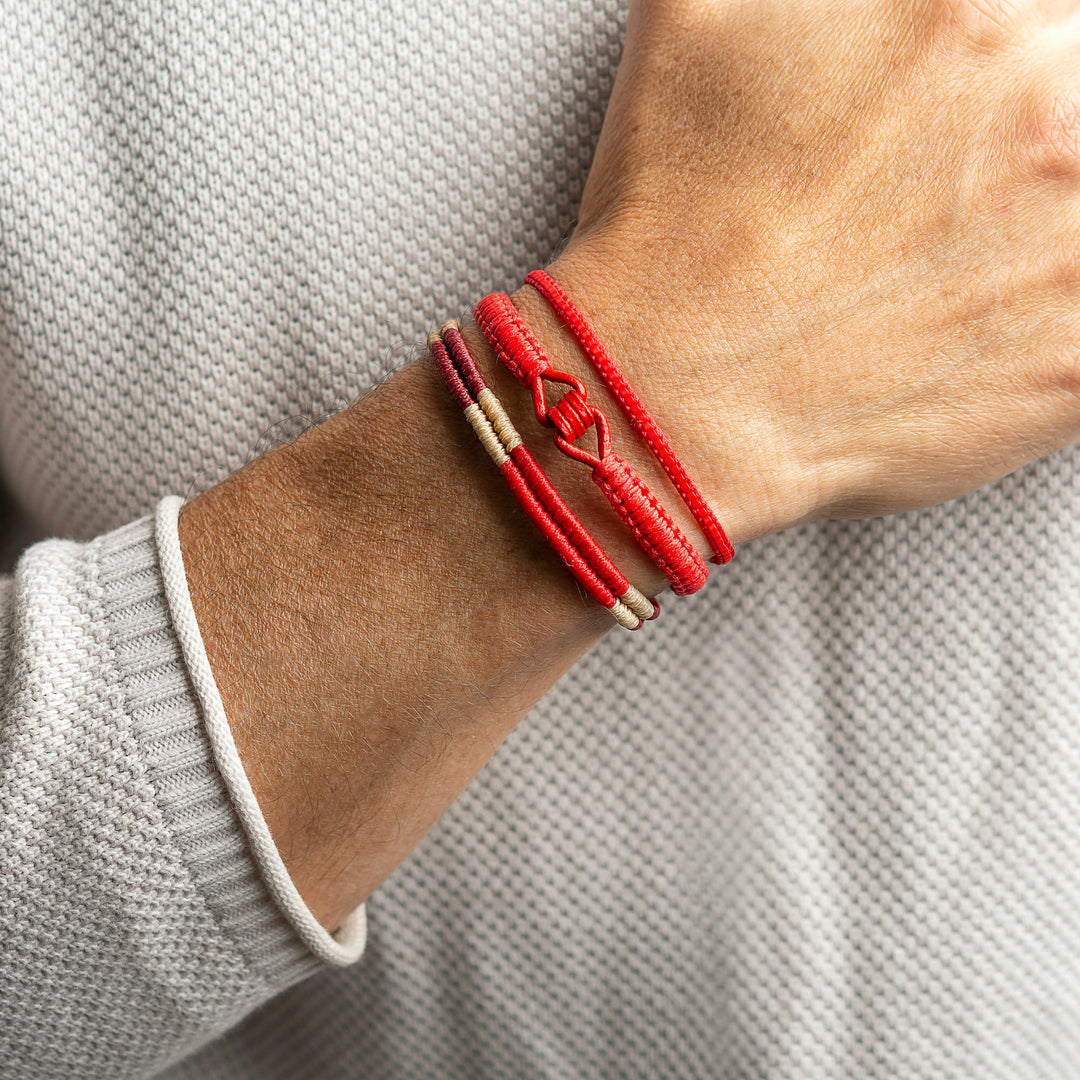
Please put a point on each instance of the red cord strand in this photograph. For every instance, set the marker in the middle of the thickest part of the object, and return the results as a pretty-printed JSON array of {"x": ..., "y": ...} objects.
[
  {"x": 602, "y": 581},
  {"x": 651, "y": 525},
  {"x": 634, "y": 410}
]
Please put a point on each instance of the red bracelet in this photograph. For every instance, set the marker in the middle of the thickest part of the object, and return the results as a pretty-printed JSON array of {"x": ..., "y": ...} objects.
[
  {"x": 600, "y": 578},
  {"x": 634, "y": 410},
  {"x": 538, "y": 481},
  {"x": 648, "y": 521}
]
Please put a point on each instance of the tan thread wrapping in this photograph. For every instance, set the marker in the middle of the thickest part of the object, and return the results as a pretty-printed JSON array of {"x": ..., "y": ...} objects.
[
  {"x": 638, "y": 603},
  {"x": 624, "y": 616},
  {"x": 499, "y": 420},
  {"x": 486, "y": 434}
]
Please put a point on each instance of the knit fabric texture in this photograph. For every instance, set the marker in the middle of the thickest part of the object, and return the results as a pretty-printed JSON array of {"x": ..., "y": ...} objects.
[{"x": 820, "y": 822}]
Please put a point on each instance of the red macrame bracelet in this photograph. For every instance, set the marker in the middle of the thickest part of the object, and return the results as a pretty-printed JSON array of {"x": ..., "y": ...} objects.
[
  {"x": 600, "y": 578},
  {"x": 651, "y": 525},
  {"x": 537, "y": 479},
  {"x": 634, "y": 410}
]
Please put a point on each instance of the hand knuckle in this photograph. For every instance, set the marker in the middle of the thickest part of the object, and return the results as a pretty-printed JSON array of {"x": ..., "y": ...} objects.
[
  {"x": 1052, "y": 134},
  {"x": 980, "y": 22}
]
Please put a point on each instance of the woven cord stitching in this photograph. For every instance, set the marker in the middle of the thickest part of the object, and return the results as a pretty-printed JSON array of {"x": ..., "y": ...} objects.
[{"x": 651, "y": 525}]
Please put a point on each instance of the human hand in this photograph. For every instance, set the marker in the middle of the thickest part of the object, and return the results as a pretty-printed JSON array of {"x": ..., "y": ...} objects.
[{"x": 835, "y": 246}]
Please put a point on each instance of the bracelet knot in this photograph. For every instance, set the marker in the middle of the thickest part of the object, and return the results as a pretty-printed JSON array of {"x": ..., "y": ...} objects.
[{"x": 572, "y": 416}]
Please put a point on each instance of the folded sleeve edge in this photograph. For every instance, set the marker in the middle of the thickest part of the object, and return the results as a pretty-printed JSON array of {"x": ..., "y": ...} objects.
[{"x": 347, "y": 944}]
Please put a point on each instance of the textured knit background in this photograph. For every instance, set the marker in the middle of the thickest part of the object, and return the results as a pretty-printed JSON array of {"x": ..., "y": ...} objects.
[{"x": 841, "y": 839}]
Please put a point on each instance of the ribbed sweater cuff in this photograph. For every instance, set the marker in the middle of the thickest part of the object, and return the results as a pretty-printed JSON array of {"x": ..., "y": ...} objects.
[{"x": 186, "y": 742}]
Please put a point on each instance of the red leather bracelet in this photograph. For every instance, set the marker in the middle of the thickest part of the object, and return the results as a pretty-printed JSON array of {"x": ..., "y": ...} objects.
[
  {"x": 586, "y": 560},
  {"x": 634, "y": 410},
  {"x": 572, "y": 416}
]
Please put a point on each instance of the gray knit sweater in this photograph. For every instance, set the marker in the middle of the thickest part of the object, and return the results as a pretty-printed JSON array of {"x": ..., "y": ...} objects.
[{"x": 827, "y": 822}]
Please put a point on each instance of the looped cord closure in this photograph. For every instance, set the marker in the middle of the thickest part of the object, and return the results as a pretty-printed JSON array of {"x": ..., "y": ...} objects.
[
  {"x": 572, "y": 416},
  {"x": 651, "y": 525}
]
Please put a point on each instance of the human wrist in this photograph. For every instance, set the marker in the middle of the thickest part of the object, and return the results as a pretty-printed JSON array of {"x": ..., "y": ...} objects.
[
  {"x": 371, "y": 595},
  {"x": 378, "y": 616}
]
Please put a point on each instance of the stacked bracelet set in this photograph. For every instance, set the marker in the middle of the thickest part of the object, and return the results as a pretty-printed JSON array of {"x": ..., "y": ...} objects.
[{"x": 571, "y": 417}]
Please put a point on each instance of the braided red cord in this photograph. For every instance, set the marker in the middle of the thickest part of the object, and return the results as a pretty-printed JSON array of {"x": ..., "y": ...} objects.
[
  {"x": 649, "y": 522},
  {"x": 634, "y": 410},
  {"x": 520, "y": 352},
  {"x": 651, "y": 525},
  {"x": 602, "y": 581}
]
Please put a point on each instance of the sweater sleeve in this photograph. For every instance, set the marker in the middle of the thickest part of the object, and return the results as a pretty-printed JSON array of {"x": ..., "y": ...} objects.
[{"x": 143, "y": 905}]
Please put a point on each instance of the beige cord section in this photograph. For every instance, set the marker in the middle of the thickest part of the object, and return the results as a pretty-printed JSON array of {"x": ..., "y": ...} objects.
[
  {"x": 624, "y": 616},
  {"x": 638, "y": 603},
  {"x": 486, "y": 434},
  {"x": 499, "y": 420}
]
